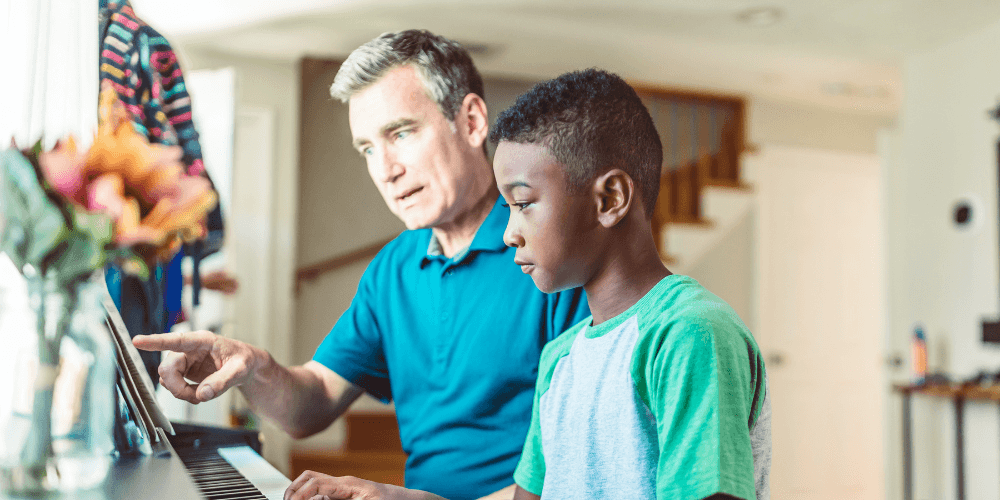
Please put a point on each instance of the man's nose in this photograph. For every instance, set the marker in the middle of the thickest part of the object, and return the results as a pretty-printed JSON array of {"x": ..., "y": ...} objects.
[{"x": 386, "y": 166}]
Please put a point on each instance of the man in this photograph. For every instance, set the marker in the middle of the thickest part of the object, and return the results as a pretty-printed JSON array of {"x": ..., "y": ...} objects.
[{"x": 443, "y": 322}]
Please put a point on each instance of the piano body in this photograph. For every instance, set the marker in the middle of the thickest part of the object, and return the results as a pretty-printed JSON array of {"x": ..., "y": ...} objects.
[{"x": 159, "y": 459}]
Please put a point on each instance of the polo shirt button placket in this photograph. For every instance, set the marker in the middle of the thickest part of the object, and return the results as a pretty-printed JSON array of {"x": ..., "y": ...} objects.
[{"x": 444, "y": 306}]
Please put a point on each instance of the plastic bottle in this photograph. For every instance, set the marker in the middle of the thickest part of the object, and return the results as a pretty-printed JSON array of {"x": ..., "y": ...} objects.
[{"x": 919, "y": 355}]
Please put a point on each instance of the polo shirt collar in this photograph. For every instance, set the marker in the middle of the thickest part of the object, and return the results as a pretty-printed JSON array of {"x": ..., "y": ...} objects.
[{"x": 489, "y": 236}]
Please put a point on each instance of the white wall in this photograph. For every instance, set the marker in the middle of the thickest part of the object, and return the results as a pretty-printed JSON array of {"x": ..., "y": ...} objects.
[
  {"x": 778, "y": 123},
  {"x": 274, "y": 86},
  {"x": 728, "y": 268},
  {"x": 939, "y": 276}
]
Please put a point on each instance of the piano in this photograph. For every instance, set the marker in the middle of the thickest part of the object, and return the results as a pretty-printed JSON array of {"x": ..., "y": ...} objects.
[{"x": 156, "y": 458}]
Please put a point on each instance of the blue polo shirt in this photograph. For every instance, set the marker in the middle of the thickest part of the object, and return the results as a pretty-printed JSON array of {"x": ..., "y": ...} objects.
[{"x": 455, "y": 342}]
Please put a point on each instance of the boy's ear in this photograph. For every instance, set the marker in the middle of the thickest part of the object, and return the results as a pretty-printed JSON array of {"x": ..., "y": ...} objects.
[
  {"x": 614, "y": 191},
  {"x": 473, "y": 120}
]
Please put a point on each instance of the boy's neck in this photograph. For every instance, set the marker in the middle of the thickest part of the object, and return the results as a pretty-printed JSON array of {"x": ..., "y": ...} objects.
[{"x": 631, "y": 267}]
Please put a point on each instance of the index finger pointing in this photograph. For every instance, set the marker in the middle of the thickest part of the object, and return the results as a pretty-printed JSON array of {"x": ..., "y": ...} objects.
[{"x": 177, "y": 342}]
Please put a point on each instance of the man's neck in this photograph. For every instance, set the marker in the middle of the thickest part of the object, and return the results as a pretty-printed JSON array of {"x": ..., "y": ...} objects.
[
  {"x": 631, "y": 269},
  {"x": 458, "y": 234}
]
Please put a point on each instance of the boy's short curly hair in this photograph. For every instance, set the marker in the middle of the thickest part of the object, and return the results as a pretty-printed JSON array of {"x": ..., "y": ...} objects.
[{"x": 591, "y": 121}]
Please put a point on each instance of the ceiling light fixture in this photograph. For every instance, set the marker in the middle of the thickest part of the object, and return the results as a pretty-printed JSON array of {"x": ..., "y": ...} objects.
[
  {"x": 846, "y": 89},
  {"x": 838, "y": 88},
  {"x": 761, "y": 16}
]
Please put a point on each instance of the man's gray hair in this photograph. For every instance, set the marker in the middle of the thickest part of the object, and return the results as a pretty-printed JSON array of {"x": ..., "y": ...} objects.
[{"x": 445, "y": 68}]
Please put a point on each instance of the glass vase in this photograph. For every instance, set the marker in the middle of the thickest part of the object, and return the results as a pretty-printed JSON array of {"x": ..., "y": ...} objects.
[{"x": 56, "y": 413}]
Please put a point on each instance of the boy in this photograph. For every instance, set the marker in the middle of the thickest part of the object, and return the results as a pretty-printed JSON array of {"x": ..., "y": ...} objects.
[{"x": 662, "y": 392}]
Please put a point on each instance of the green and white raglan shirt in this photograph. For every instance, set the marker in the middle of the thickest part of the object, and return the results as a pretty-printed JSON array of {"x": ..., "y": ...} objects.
[{"x": 666, "y": 400}]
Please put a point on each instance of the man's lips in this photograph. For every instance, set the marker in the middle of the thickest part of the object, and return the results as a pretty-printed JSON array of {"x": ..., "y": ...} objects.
[
  {"x": 408, "y": 193},
  {"x": 526, "y": 267}
]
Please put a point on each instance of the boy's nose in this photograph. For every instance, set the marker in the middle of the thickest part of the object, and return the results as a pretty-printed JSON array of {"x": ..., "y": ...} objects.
[{"x": 512, "y": 237}]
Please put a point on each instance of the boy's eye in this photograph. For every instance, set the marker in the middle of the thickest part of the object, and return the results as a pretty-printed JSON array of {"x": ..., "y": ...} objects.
[
  {"x": 367, "y": 151},
  {"x": 402, "y": 134},
  {"x": 520, "y": 206}
]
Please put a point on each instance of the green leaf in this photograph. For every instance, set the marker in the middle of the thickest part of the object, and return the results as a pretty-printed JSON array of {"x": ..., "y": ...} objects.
[
  {"x": 78, "y": 258},
  {"x": 98, "y": 225},
  {"x": 34, "y": 225},
  {"x": 84, "y": 250}
]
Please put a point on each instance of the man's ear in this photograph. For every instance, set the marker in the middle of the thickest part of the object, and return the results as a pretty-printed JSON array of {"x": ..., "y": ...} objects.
[
  {"x": 614, "y": 192},
  {"x": 472, "y": 120}
]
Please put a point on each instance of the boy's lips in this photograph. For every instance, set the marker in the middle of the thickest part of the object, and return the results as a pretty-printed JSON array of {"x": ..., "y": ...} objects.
[{"x": 526, "y": 267}]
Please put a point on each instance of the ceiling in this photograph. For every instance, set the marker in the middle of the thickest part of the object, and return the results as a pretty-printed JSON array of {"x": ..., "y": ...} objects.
[{"x": 843, "y": 54}]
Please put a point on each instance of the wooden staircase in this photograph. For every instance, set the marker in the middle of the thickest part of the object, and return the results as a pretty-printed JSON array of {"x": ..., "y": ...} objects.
[{"x": 703, "y": 139}]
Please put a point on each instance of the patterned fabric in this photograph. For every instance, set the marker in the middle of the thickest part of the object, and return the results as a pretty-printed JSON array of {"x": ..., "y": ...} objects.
[{"x": 142, "y": 67}]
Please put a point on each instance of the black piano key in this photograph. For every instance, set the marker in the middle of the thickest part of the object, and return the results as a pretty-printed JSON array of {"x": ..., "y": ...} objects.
[{"x": 215, "y": 477}]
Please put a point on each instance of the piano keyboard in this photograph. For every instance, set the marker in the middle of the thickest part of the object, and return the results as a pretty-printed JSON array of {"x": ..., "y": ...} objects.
[{"x": 233, "y": 473}]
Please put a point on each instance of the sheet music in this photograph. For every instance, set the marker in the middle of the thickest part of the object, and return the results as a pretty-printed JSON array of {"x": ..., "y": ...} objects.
[
  {"x": 126, "y": 386},
  {"x": 135, "y": 375}
]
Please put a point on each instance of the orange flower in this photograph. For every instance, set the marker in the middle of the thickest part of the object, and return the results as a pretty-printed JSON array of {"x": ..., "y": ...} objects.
[
  {"x": 183, "y": 213},
  {"x": 144, "y": 187},
  {"x": 130, "y": 232},
  {"x": 150, "y": 171}
]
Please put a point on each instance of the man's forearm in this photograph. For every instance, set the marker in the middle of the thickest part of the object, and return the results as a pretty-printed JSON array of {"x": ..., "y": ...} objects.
[
  {"x": 401, "y": 493},
  {"x": 502, "y": 494},
  {"x": 296, "y": 398}
]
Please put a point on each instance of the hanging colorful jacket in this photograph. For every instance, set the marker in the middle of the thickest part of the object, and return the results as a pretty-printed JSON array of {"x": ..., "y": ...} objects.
[{"x": 143, "y": 68}]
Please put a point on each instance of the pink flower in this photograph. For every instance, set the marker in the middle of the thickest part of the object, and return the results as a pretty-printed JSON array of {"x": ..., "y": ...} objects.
[
  {"x": 64, "y": 169},
  {"x": 105, "y": 195}
]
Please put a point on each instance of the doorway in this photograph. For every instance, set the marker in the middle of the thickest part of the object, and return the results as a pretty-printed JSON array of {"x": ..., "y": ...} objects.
[{"x": 820, "y": 301}]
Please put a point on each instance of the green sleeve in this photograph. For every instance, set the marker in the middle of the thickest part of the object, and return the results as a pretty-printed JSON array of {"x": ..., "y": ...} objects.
[
  {"x": 696, "y": 378},
  {"x": 530, "y": 471}
]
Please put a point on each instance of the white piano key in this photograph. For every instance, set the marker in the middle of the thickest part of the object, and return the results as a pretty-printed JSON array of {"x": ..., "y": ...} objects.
[{"x": 271, "y": 482}]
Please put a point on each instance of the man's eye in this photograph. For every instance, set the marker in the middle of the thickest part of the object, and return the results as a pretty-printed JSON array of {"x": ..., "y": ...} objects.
[
  {"x": 402, "y": 134},
  {"x": 368, "y": 151}
]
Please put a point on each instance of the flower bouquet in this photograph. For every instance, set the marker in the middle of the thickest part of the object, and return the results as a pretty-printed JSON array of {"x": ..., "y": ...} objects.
[{"x": 68, "y": 213}]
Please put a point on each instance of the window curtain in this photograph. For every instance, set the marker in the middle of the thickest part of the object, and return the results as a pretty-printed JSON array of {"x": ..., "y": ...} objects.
[
  {"x": 48, "y": 79},
  {"x": 49, "y": 61},
  {"x": 48, "y": 90}
]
